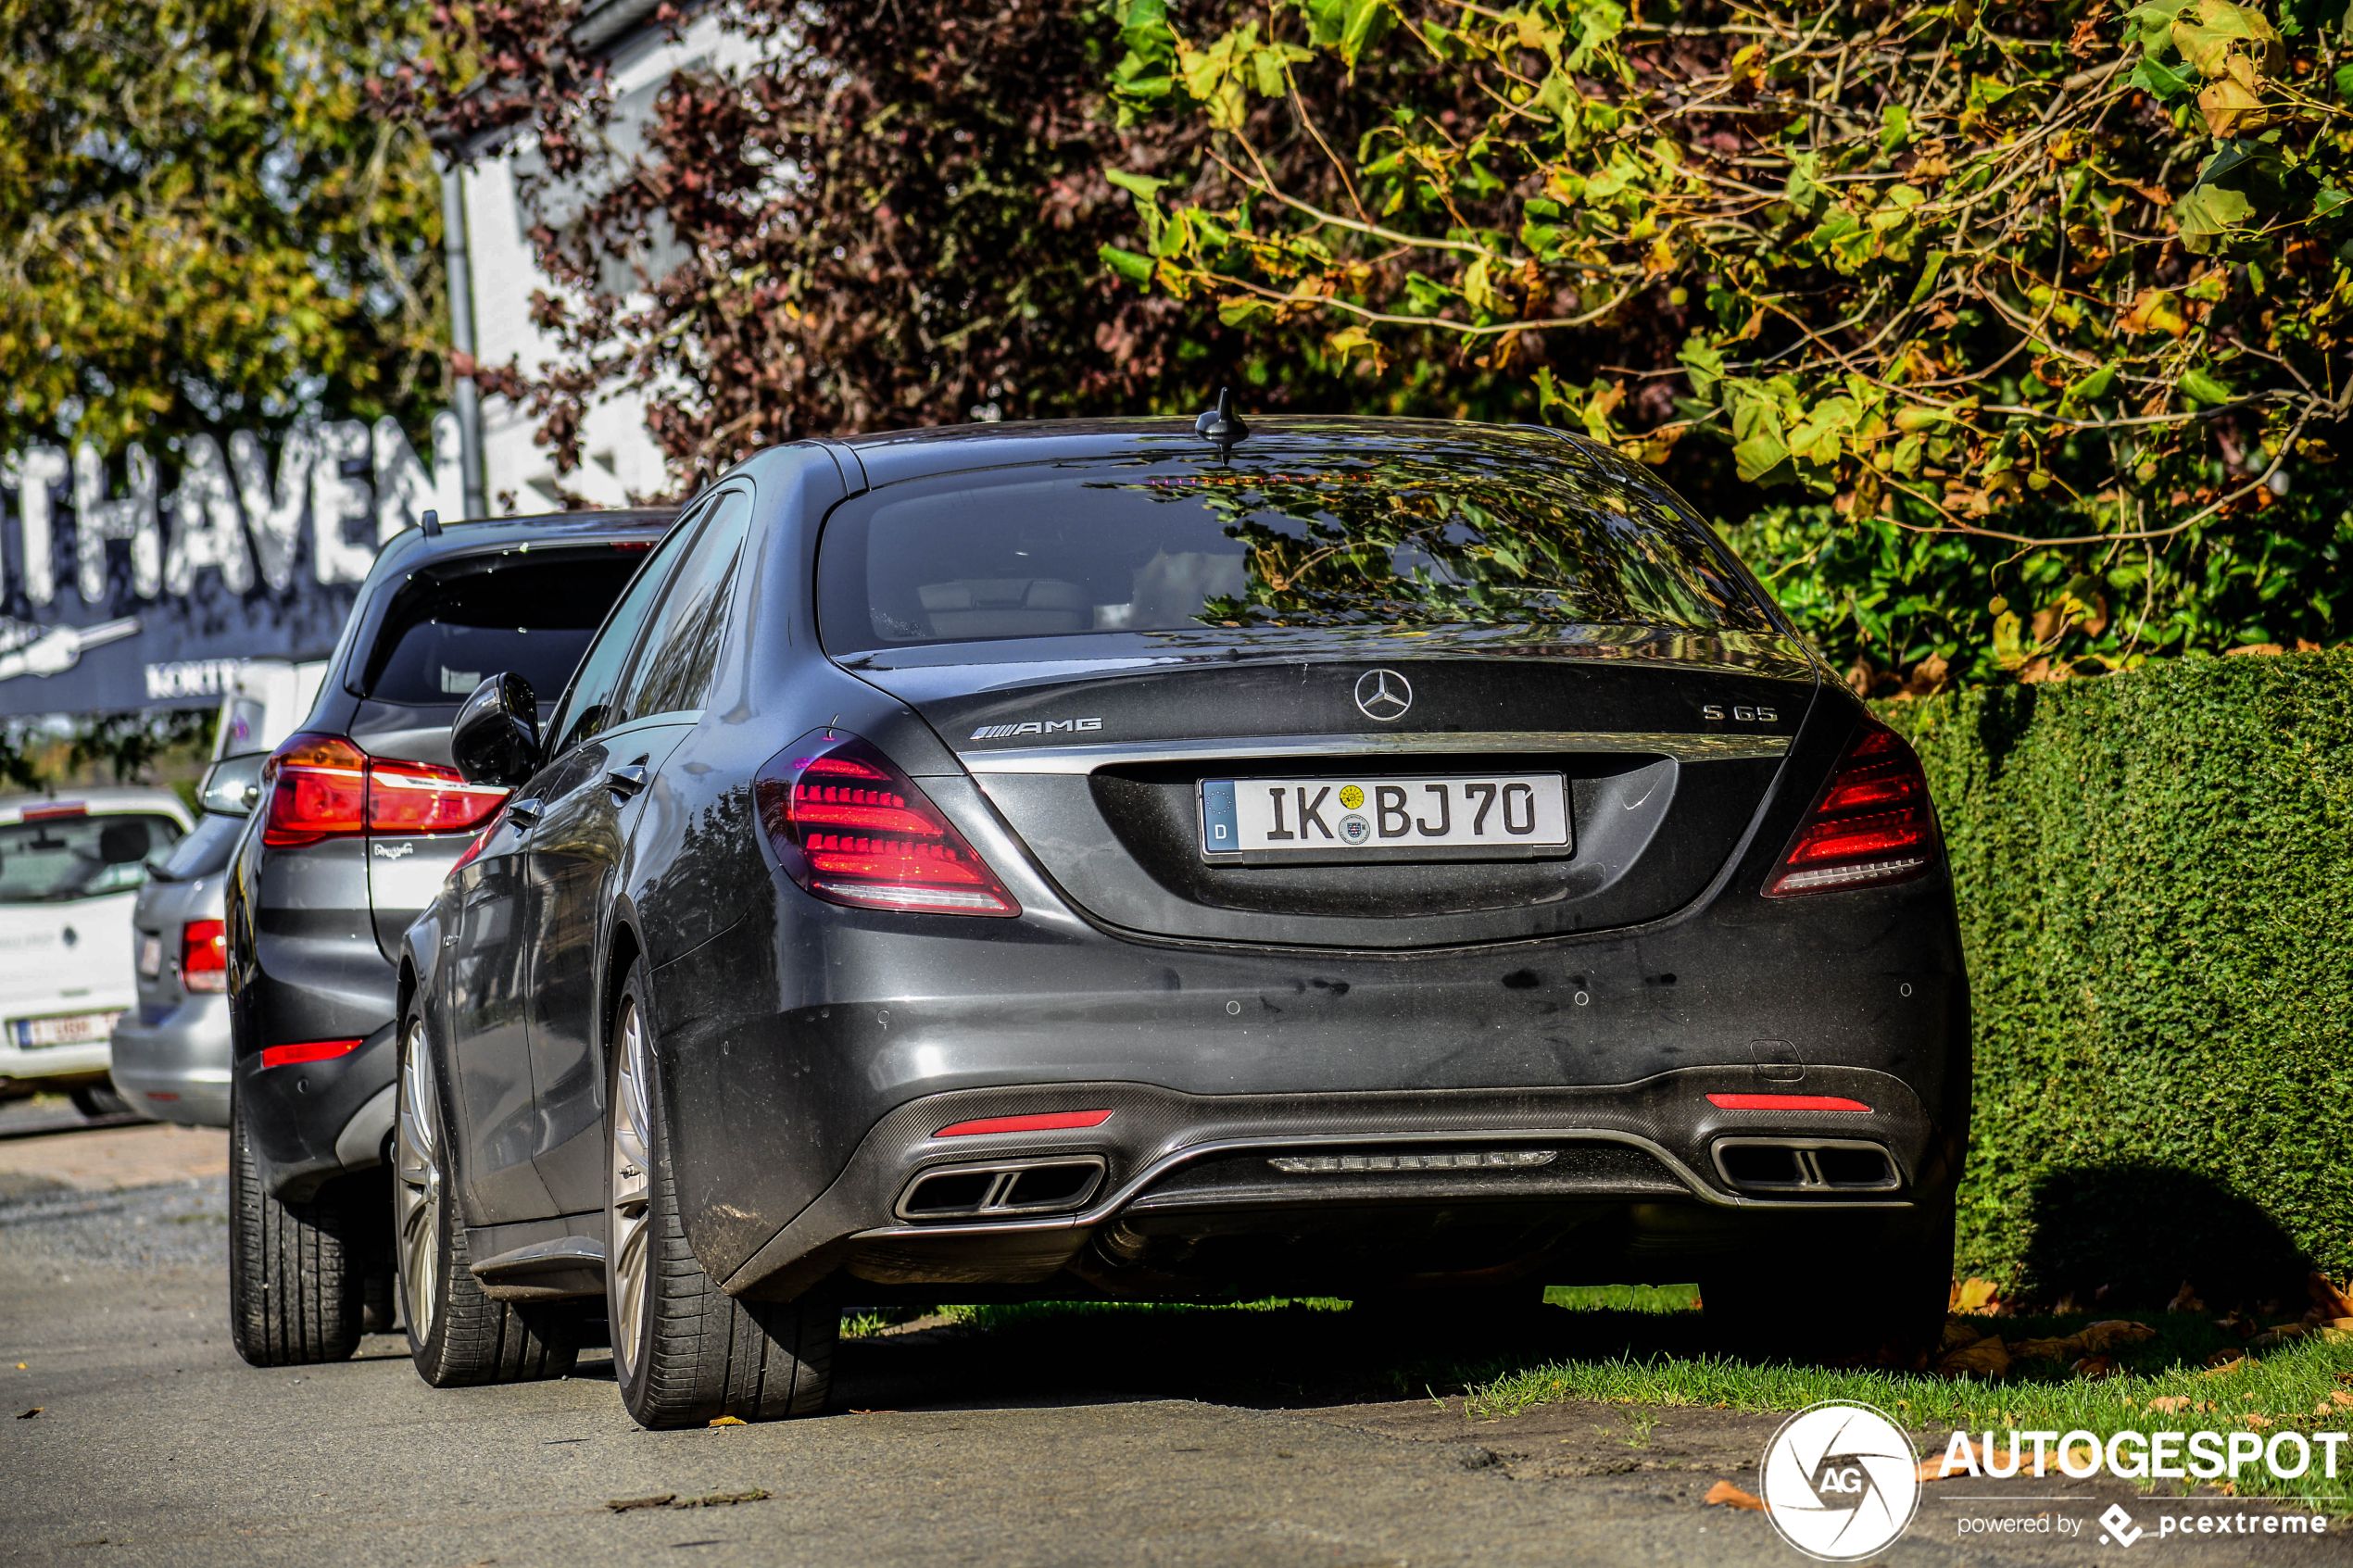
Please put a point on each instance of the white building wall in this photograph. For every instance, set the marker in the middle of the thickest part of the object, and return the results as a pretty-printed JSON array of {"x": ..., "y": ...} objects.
[{"x": 620, "y": 460}]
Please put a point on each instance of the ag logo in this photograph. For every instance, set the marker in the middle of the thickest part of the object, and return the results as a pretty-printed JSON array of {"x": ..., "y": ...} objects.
[
  {"x": 1383, "y": 694},
  {"x": 1840, "y": 1481}
]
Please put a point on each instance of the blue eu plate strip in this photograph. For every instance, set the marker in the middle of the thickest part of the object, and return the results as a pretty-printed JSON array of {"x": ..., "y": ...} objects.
[{"x": 1220, "y": 832}]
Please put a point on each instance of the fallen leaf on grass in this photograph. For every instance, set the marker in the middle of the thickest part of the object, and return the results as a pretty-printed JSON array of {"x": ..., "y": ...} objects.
[
  {"x": 2275, "y": 1337},
  {"x": 1983, "y": 1358},
  {"x": 2224, "y": 1361},
  {"x": 1978, "y": 1297},
  {"x": 28, "y": 1415},
  {"x": 2186, "y": 1301},
  {"x": 727, "y": 1421},
  {"x": 1725, "y": 1495},
  {"x": 623, "y": 1505},
  {"x": 1958, "y": 1334},
  {"x": 2109, "y": 1332},
  {"x": 2170, "y": 1404},
  {"x": 2260, "y": 1422},
  {"x": 2093, "y": 1366},
  {"x": 2333, "y": 1302},
  {"x": 2049, "y": 1350}
]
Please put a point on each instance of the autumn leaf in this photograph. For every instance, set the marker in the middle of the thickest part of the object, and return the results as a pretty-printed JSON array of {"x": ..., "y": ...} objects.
[
  {"x": 1982, "y": 1357},
  {"x": 1725, "y": 1495},
  {"x": 1978, "y": 1295}
]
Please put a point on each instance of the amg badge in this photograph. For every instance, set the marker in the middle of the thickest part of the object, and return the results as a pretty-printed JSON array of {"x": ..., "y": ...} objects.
[{"x": 1036, "y": 727}]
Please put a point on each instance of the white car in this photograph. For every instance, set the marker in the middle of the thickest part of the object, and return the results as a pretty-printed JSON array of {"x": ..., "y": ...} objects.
[{"x": 70, "y": 870}]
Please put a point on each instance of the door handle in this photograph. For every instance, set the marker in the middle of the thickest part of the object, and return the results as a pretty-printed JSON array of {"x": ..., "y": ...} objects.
[
  {"x": 625, "y": 781},
  {"x": 524, "y": 813}
]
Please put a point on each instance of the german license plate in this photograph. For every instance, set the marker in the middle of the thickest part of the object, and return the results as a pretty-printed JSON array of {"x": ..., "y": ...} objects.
[
  {"x": 67, "y": 1029},
  {"x": 1381, "y": 818},
  {"x": 150, "y": 956}
]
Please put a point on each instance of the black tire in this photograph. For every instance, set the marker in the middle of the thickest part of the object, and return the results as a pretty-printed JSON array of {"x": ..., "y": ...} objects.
[
  {"x": 467, "y": 1338},
  {"x": 99, "y": 1102},
  {"x": 1861, "y": 1297},
  {"x": 297, "y": 1271},
  {"x": 683, "y": 1352}
]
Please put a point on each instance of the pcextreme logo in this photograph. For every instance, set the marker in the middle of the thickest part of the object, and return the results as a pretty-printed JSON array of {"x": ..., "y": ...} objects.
[{"x": 1840, "y": 1481}]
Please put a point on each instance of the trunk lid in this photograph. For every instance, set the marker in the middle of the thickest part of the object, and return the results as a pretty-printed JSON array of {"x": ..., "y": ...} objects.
[{"x": 1668, "y": 745}]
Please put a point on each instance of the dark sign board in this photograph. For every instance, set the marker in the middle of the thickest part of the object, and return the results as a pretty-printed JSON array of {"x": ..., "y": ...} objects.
[{"x": 121, "y": 593}]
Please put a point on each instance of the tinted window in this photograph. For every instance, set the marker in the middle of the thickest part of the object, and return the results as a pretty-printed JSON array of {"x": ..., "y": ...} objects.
[
  {"x": 587, "y": 706},
  {"x": 1480, "y": 531},
  {"x": 205, "y": 849},
  {"x": 65, "y": 858},
  {"x": 445, "y": 636},
  {"x": 673, "y": 668}
]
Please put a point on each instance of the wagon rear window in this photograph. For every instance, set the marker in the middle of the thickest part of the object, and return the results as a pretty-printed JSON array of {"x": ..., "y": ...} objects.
[{"x": 1430, "y": 534}]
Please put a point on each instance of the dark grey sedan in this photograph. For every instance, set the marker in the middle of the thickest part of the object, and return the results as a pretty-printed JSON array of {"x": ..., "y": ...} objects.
[{"x": 1128, "y": 860}]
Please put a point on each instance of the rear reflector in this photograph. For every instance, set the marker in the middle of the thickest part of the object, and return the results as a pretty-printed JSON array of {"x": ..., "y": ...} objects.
[
  {"x": 853, "y": 829},
  {"x": 1046, "y": 1122},
  {"x": 308, "y": 1051},
  {"x": 1872, "y": 823},
  {"x": 203, "y": 954},
  {"x": 1784, "y": 1102}
]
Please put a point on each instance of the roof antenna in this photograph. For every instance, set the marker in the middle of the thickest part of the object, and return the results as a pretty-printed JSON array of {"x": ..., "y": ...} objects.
[
  {"x": 1220, "y": 424},
  {"x": 430, "y": 524}
]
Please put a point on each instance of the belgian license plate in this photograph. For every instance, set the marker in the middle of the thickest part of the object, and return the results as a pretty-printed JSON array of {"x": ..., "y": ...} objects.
[
  {"x": 1345, "y": 819},
  {"x": 70, "y": 1029},
  {"x": 150, "y": 956}
]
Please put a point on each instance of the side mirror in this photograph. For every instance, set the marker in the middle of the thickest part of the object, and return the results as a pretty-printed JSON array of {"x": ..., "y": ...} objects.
[
  {"x": 496, "y": 738},
  {"x": 233, "y": 786}
]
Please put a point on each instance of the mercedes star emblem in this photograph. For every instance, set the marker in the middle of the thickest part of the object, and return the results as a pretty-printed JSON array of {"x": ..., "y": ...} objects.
[{"x": 1384, "y": 694}]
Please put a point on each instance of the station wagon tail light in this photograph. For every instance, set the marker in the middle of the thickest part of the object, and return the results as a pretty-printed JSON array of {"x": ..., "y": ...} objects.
[
  {"x": 322, "y": 786},
  {"x": 849, "y": 827},
  {"x": 203, "y": 954},
  {"x": 1871, "y": 826}
]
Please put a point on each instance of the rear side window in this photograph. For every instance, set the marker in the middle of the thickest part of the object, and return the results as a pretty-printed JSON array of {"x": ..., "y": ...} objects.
[
  {"x": 58, "y": 859},
  {"x": 681, "y": 652},
  {"x": 204, "y": 851},
  {"x": 1488, "y": 531},
  {"x": 589, "y": 707},
  {"x": 445, "y": 635}
]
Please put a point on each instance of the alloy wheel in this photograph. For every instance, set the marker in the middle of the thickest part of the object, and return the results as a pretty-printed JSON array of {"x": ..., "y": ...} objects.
[
  {"x": 417, "y": 1184},
  {"x": 627, "y": 1232}
]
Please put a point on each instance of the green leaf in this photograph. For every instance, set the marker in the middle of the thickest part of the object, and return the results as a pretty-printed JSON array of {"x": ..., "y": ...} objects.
[
  {"x": 1143, "y": 187},
  {"x": 1895, "y": 127},
  {"x": 2208, "y": 213},
  {"x": 2205, "y": 388},
  {"x": 1703, "y": 363},
  {"x": 1137, "y": 269},
  {"x": 2162, "y": 80},
  {"x": 2092, "y": 387}
]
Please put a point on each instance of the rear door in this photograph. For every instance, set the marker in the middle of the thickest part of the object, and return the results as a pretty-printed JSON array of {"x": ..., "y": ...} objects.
[{"x": 591, "y": 797}]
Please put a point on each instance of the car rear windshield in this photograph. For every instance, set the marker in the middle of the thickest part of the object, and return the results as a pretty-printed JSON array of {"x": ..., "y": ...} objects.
[
  {"x": 57, "y": 858},
  {"x": 204, "y": 851},
  {"x": 1482, "y": 534},
  {"x": 445, "y": 636}
]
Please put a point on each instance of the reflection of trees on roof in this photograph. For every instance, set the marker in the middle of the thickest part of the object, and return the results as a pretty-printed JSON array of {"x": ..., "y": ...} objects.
[{"x": 1439, "y": 534}]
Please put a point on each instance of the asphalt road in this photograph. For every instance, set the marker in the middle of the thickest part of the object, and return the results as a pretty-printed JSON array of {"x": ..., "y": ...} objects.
[{"x": 156, "y": 1444}]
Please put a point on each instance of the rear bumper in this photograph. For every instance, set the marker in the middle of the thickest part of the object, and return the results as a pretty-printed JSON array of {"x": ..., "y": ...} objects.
[
  {"x": 797, "y": 1129},
  {"x": 47, "y": 1066},
  {"x": 1335, "y": 1193},
  {"x": 176, "y": 1069}
]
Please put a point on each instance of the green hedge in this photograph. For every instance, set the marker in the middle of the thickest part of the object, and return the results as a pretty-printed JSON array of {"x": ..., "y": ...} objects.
[{"x": 2156, "y": 883}]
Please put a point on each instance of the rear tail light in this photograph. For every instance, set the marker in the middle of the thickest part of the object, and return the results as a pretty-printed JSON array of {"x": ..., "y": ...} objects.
[
  {"x": 203, "y": 954},
  {"x": 322, "y": 786},
  {"x": 1871, "y": 826},
  {"x": 852, "y": 828}
]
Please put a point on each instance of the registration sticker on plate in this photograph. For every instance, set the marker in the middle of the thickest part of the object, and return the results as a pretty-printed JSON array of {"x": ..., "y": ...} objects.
[
  {"x": 67, "y": 1029},
  {"x": 1377, "y": 817}
]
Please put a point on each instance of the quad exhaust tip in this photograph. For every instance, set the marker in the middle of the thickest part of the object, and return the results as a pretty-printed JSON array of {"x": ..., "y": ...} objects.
[
  {"x": 1804, "y": 1165},
  {"x": 1003, "y": 1188}
]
